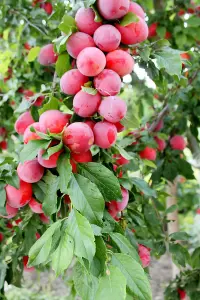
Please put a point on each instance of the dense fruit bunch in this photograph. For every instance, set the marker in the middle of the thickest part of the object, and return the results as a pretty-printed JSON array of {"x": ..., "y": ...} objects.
[{"x": 99, "y": 60}]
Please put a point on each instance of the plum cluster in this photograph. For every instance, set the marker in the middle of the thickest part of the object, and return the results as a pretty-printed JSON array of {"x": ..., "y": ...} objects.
[{"x": 99, "y": 59}]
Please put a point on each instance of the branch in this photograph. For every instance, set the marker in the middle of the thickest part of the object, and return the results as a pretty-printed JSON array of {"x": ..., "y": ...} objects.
[
  {"x": 159, "y": 4},
  {"x": 161, "y": 115}
]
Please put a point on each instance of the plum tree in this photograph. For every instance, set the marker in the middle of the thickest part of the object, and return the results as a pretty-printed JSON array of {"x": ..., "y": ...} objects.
[
  {"x": 35, "y": 206},
  {"x": 113, "y": 109},
  {"x": 148, "y": 153},
  {"x": 137, "y": 10},
  {"x": 72, "y": 81},
  {"x": 107, "y": 38},
  {"x": 111, "y": 10},
  {"x": 29, "y": 135},
  {"x": 47, "y": 56},
  {"x": 23, "y": 122},
  {"x": 108, "y": 83},
  {"x": 78, "y": 137},
  {"x": 18, "y": 197},
  {"x": 85, "y": 20},
  {"x": 50, "y": 162},
  {"x": 53, "y": 121},
  {"x": 77, "y": 42},
  {"x": 105, "y": 134},
  {"x": 134, "y": 33},
  {"x": 120, "y": 61},
  {"x": 86, "y": 105},
  {"x": 31, "y": 171},
  {"x": 91, "y": 61},
  {"x": 177, "y": 142}
]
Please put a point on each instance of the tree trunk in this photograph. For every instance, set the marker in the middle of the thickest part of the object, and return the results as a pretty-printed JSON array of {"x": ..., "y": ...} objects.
[{"x": 173, "y": 226}]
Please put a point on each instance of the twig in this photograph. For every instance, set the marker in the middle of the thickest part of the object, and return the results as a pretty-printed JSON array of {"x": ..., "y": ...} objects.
[
  {"x": 194, "y": 76},
  {"x": 54, "y": 82},
  {"x": 33, "y": 25},
  {"x": 159, "y": 118}
]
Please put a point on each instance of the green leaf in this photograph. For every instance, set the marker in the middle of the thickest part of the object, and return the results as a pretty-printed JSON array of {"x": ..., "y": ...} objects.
[
  {"x": 180, "y": 255},
  {"x": 30, "y": 150},
  {"x": 143, "y": 186},
  {"x": 50, "y": 201},
  {"x": 124, "y": 245},
  {"x": 145, "y": 53},
  {"x": 170, "y": 170},
  {"x": 34, "y": 113},
  {"x": 181, "y": 236},
  {"x": 195, "y": 261},
  {"x": 123, "y": 152},
  {"x": 161, "y": 31},
  {"x": 84, "y": 282},
  {"x": 130, "y": 121},
  {"x": 171, "y": 209},
  {"x": 129, "y": 18},
  {"x": 3, "y": 268},
  {"x": 23, "y": 106},
  {"x": 149, "y": 163},
  {"x": 88, "y": 3},
  {"x": 89, "y": 90},
  {"x": 2, "y": 195},
  {"x": 39, "y": 252},
  {"x": 33, "y": 54},
  {"x": 53, "y": 103},
  {"x": 13, "y": 180},
  {"x": 151, "y": 216},
  {"x": 60, "y": 43},
  {"x": 51, "y": 150},
  {"x": 184, "y": 168},
  {"x": 63, "y": 64},
  {"x": 68, "y": 25},
  {"x": 137, "y": 281},
  {"x": 169, "y": 60},
  {"x": 81, "y": 231},
  {"x": 193, "y": 21},
  {"x": 86, "y": 198},
  {"x": 161, "y": 44},
  {"x": 63, "y": 255},
  {"x": 112, "y": 286},
  {"x": 98, "y": 264},
  {"x": 64, "y": 169},
  {"x": 104, "y": 179}
]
